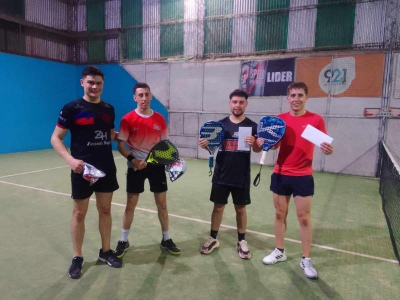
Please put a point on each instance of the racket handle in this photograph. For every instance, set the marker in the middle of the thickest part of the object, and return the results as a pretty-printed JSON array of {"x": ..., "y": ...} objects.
[
  {"x": 262, "y": 160},
  {"x": 211, "y": 161},
  {"x": 257, "y": 179}
]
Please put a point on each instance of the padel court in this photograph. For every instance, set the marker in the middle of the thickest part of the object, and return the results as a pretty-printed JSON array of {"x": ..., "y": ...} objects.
[{"x": 352, "y": 250}]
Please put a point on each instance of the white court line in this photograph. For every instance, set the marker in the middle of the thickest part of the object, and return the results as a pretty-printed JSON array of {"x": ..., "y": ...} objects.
[
  {"x": 225, "y": 226},
  {"x": 42, "y": 170},
  {"x": 31, "y": 172}
]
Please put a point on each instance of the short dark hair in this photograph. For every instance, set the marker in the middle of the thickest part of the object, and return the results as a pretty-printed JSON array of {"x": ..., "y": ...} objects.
[
  {"x": 140, "y": 85},
  {"x": 92, "y": 71},
  {"x": 297, "y": 85},
  {"x": 239, "y": 93}
]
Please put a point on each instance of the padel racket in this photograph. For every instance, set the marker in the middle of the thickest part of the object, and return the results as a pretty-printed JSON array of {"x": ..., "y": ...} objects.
[
  {"x": 214, "y": 133},
  {"x": 163, "y": 153},
  {"x": 271, "y": 129}
]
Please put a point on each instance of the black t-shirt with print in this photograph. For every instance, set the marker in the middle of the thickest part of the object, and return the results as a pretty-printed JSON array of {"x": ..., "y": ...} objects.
[{"x": 232, "y": 166}]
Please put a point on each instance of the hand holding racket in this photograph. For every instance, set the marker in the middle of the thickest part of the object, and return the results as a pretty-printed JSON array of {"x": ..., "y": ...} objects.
[
  {"x": 271, "y": 129},
  {"x": 163, "y": 153},
  {"x": 214, "y": 133}
]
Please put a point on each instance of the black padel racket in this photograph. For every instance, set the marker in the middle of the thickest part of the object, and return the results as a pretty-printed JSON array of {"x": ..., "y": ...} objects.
[
  {"x": 271, "y": 129},
  {"x": 213, "y": 132},
  {"x": 163, "y": 153}
]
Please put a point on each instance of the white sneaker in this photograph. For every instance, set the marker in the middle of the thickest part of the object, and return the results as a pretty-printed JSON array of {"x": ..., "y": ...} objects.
[
  {"x": 274, "y": 257},
  {"x": 309, "y": 271}
]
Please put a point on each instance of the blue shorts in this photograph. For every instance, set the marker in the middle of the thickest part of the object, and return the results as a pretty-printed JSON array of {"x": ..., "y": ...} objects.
[
  {"x": 292, "y": 185},
  {"x": 220, "y": 194},
  {"x": 81, "y": 188},
  {"x": 155, "y": 174}
]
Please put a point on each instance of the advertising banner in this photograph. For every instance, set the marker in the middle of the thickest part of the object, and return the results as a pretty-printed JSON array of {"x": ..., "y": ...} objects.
[
  {"x": 358, "y": 75},
  {"x": 267, "y": 77}
]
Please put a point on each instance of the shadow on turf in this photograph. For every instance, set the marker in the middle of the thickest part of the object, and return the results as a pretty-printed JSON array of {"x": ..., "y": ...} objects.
[{"x": 80, "y": 288}]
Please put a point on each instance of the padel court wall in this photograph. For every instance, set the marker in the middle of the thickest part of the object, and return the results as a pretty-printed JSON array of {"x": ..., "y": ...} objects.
[
  {"x": 33, "y": 92},
  {"x": 195, "y": 92}
]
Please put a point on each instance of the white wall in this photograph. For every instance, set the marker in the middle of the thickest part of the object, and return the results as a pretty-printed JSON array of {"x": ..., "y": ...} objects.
[{"x": 195, "y": 92}]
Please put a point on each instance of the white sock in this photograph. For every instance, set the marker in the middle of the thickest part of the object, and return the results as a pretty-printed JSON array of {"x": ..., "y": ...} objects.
[
  {"x": 124, "y": 236},
  {"x": 165, "y": 235}
]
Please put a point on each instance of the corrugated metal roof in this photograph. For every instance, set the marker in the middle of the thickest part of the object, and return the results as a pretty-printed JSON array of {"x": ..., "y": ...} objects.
[{"x": 67, "y": 30}]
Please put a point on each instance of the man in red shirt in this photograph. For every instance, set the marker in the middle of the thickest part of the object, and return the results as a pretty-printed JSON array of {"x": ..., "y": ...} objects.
[
  {"x": 293, "y": 175},
  {"x": 140, "y": 130}
]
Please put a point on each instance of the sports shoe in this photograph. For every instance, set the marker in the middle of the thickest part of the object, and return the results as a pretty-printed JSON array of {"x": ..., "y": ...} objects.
[
  {"x": 274, "y": 257},
  {"x": 170, "y": 246},
  {"x": 243, "y": 250},
  {"x": 306, "y": 265},
  {"x": 75, "y": 270},
  {"x": 121, "y": 249},
  {"x": 110, "y": 258},
  {"x": 209, "y": 246}
]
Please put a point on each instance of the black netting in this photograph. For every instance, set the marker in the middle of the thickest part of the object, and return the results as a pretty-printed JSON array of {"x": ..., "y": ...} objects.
[{"x": 389, "y": 188}]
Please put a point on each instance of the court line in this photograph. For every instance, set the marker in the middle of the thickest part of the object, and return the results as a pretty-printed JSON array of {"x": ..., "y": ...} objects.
[
  {"x": 42, "y": 170},
  {"x": 222, "y": 225},
  {"x": 31, "y": 172}
]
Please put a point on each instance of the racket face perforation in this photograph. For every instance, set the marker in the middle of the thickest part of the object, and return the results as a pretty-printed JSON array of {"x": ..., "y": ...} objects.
[
  {"x": 271, "y": 129},
  {"x": 214, "y": 133},
  {"x": 163, "y": 153}
]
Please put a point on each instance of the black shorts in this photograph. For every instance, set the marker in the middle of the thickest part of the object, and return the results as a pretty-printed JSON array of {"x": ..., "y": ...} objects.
[
  {"x": 220, "y": 194},
  {"x": 297, "y": 185},
  {"x": 155, "y": 174},
  {"x": 81, "y": 188}
]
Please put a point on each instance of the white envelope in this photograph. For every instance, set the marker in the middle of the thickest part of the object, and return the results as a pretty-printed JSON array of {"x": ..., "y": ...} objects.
[
  {"x": 243, "y": 132},
  {"x": 315, "y": 136}
]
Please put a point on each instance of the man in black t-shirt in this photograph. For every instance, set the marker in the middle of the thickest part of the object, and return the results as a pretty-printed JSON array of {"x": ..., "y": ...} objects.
[
  {"x": 91, "y": 123},
  {"x": 232, "y": 173}
]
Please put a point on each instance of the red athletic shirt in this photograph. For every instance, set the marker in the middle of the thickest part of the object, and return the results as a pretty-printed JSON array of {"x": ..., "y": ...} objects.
[
  {"x": 142, "y": 132},
  {"x": 296, "y": 153}
]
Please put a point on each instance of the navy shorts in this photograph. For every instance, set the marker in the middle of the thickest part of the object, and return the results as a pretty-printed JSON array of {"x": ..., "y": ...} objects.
[
  {"x": 220, "y": 194},
  {"x": 155, "y": 174},
  {"x": 292, "y": 185},
  {"x": 81, "y": 188}
]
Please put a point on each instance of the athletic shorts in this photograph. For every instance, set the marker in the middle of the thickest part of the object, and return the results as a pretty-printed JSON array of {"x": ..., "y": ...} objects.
[
  {"x": 155, "y": 174},
  {"x": 81, "y": 188},
  {"x": 292, "y": 185},
  {"x": 220, "y": 194}
]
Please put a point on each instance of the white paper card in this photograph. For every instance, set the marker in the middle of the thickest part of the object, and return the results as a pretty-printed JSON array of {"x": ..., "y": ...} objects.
[
  {"x": 243, "y": 132},
  {"x": 315, "y": 136}
]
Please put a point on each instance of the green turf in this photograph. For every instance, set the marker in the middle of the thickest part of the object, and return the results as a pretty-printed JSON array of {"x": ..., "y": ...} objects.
[{"x": 352, "y": 249}]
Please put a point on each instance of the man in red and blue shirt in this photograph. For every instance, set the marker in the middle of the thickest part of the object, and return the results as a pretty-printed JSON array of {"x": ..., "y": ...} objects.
[{"x": 91, "y": 123}]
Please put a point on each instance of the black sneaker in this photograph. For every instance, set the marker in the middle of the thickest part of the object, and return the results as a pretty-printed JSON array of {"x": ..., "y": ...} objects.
[
  {"x": 110, "y": 258},
  {"x": 170, "y": 246},
  {"x": 75, "y": 270},
  {"x": 121, "y": 249}
]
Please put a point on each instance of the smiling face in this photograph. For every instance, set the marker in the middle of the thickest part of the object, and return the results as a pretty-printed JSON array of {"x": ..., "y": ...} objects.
[
  {"x": 297, "y": 99},
  {"x": 143, "y": 98},
  {"x": 238, "y": 105},
  {"x": 92, "y": 87}
]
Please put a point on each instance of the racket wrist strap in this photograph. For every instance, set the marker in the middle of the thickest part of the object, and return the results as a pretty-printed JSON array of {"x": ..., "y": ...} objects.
[{"x": 130, "y": 157}]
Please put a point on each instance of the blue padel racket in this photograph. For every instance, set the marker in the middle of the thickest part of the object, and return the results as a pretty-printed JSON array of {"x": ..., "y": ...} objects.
[
  {"x": 163, "y": 153},
  {"x": 213, "y": 132},
  {"x": 271, "y": 129}
]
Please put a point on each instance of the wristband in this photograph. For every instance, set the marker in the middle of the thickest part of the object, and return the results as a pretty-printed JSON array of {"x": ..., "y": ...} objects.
[{"x": 130, "y": 157}]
